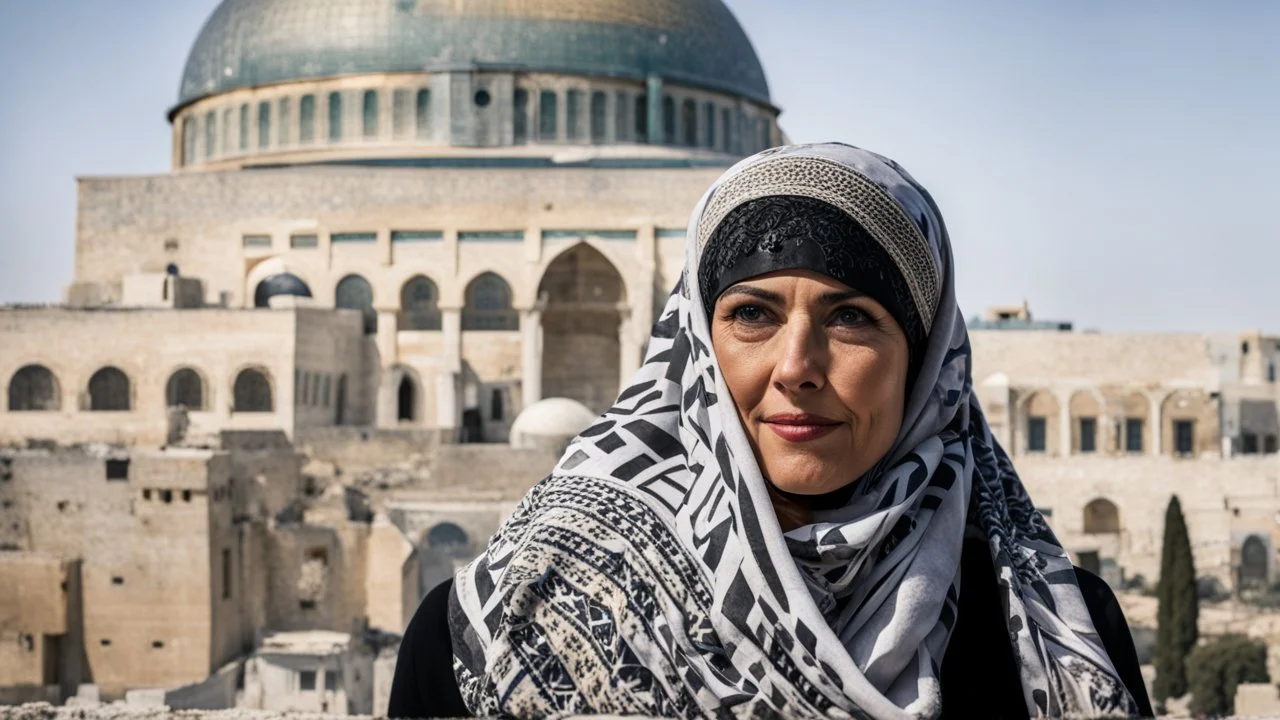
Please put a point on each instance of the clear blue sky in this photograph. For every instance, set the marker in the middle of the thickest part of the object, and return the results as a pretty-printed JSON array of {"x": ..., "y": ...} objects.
[{"x": 1115, "y": 163}]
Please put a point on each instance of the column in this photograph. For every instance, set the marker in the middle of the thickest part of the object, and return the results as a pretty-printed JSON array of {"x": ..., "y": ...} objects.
[
  {"x": 1064, "y": 425},
  {"x": 1157, "y": 425},
  {"x": 384, "y": 397},
  {"x": 531, "y": 350},
  {"x": 451, "y": 327},
  {"x": 629, "y": 350},
  {"x": 448, "y": 413},
  {"x": 654, "y": 98}
]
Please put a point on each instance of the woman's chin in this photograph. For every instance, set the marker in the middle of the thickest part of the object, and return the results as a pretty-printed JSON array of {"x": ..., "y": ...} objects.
[{"x": 805, "y": 481}]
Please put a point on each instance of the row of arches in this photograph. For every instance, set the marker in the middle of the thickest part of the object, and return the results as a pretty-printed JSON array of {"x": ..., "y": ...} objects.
[
  {"x": 487, "y": 302},
  {"x": 1115, "y": 422},
  {"x": 35, "y": 388},
  {"x": 579, "y": 115}
]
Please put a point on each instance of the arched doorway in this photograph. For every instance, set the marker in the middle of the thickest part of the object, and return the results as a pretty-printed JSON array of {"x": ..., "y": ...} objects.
[
  {"x": 406, "y": 400},
  {"x": 1101, "y": 517},
  {"x": 581, "y": 357},
  {"x": 1253, "y": 561}
]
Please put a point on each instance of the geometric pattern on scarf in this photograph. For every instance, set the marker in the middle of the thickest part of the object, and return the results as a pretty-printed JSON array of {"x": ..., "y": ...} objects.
[{"x": 647, "y": 574}]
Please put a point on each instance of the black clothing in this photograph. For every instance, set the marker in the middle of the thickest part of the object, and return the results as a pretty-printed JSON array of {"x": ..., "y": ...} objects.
[
  {"x": 979, "y": 673},
  {"x": 424, "y": 685}
]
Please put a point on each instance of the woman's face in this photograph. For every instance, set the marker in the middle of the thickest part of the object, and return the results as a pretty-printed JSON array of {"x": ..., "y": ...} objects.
[{"x": 818, "y": 372}]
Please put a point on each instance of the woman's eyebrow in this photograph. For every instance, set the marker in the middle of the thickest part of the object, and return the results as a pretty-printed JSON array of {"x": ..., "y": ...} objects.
[
  {"x": 754, "y": 292},
  {"x": 832, "y": 298}
]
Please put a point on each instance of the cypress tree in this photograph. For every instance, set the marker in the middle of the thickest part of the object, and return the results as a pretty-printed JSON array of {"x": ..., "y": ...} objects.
[{"x": 1179, "y": 607}]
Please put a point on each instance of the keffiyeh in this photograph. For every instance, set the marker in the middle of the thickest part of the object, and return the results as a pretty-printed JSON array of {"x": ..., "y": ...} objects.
[{"x": 648, "y": 574}]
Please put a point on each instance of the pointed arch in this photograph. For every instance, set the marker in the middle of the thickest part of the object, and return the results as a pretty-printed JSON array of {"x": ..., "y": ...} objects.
[
  {"x": 487, "y": 304},
  {"x": 355, "y": 293},
  {"x": 419, "y": 304}
]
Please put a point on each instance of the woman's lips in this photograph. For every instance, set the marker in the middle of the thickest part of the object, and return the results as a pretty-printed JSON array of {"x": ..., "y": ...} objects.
[{"x": 800, "y": 427}]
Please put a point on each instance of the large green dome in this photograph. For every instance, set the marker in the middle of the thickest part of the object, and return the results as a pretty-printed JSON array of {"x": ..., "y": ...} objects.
[{"x": 260, "y": 42}]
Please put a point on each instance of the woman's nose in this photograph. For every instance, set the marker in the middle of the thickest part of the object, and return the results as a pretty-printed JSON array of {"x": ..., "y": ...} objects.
[{"x": 802, "y": 366}]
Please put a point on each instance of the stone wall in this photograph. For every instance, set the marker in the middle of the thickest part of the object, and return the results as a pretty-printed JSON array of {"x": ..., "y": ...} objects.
[
  {"x": 41, "y": 626},
  {"x": 150, "y": 346},
  {"x": 146, "y": 533}
]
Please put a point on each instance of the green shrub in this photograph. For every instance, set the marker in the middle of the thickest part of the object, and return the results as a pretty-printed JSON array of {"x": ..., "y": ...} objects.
[{"x": 1215, "y": 669}]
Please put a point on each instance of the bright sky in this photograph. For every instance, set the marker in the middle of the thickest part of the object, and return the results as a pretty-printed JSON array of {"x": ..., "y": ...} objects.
[{"x": 1116, "y": 164}]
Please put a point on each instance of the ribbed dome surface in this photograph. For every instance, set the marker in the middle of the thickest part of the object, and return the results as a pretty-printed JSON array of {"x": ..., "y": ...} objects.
[{"x": 261, "y": 42}]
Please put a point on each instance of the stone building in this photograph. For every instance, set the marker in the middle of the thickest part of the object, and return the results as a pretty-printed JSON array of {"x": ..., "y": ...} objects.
[
  {"x": 498, "y": 189},
  {"x": 1106, "y": 427}
]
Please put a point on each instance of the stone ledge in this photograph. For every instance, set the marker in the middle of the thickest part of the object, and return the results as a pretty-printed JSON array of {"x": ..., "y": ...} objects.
[{"x": 121, "y": 711}]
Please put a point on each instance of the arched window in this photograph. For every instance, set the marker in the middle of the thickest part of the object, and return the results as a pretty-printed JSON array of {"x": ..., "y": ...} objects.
[
  {"x": 210, "y": 134},
  {"x": 1254, "y": 566},
  {"x": 188, "y": 141},
  {"x": 726, "y": 121},
  {"x": 621, "y": 116},
  {"x": 599, "y": 116},
  {"x": 185, "y": 389},
  {"x": 547, "y": 116},
  {"x": 449, "y": 540},
  {"x": 406, "y": 399},
  {"x": 264, "y": 125},
  {"x": 423, "y": 114},
  {"x": 227, "y": 137},
  {"x": 521, "y": 116},
  {"x": 689, "y": 122},
  {"x": 109, "y": 391},
  {"x": 244, "y": 127},
  {"x": 370, "y": 114},
  {"x": 286, "y": 114},
  {"x": 709, "y": 120},
  {"x": 335, "y": 116},
  {"x": 642, "y": 118},
  {"x": 573, "y": 115},
  {"x": 252, "y": 392},
  {"x": 33, "y": 388},
  {"x": 488, "y": 305},
  {"x": 419, "y": 305},
  {"x": 1101, "y": 517},
  {"x": 668, "y": 120},
  {"x": 307, "y": 119},
  {"x": 355, "y": 293}
]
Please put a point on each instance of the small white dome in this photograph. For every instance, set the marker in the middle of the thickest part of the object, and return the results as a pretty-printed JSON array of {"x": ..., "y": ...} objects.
[{"x": 552, "y": 419}]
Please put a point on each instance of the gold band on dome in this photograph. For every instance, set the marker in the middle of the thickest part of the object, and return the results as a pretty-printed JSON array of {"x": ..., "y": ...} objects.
[{"x": 866, "y": 202}]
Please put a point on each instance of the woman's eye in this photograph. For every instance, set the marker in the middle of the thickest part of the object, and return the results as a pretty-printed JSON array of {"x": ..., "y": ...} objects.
[
  {"x": 749, "y": 314},
  {"x": 850, "y": 316}
]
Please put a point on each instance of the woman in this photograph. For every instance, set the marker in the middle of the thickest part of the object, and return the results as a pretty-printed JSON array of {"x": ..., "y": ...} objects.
[{"x": 796, "y": 508}]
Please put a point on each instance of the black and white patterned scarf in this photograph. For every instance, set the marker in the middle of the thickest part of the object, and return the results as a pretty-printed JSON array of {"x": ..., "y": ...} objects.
[{"x": 648, "y": 574}]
